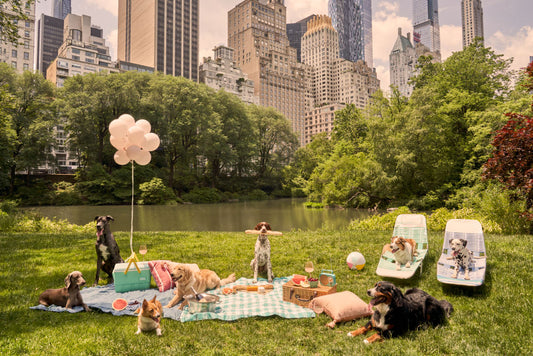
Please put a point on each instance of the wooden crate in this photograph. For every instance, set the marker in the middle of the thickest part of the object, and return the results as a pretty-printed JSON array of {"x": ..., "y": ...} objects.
[{"x": 302, "y": 296}]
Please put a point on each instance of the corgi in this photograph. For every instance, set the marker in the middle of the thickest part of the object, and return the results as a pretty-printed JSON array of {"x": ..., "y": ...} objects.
[
  {"x": 404, "y": 250},
  {"x": 150, "y": 315}
]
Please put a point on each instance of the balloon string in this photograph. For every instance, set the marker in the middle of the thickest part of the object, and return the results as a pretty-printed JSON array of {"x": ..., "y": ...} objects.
[{"x": 132, "y": 197}]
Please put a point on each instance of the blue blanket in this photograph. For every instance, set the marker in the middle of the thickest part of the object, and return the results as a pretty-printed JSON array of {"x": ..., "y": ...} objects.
[{"x": 102, "y": 297}]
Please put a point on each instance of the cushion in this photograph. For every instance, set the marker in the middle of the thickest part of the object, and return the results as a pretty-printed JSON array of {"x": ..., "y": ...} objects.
[
  {"x": 342, "y": 306},
  {"x": 161, "y": 274}
]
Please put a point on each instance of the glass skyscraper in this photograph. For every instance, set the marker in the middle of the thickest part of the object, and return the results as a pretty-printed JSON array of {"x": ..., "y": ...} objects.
[
  {"x": 353, "y": 21},
  {"x": 61, "y": 8},
  {"x": 426, "y": 23}
]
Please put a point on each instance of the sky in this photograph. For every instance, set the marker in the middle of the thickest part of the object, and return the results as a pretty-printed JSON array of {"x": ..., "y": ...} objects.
[{"x": 508, "y": 25}]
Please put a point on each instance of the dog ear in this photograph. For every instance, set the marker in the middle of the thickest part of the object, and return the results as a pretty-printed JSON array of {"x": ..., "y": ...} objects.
[
  {"x": 109, "y": 217},
  {"x": 153, "y": 299},
  {"x": 450, "y": 241},
  {"x": 463, "y": 241},
  {"x": 96, "y": 218},
  {"x": 267, "y": 225},
  {"x": 67, "y": 280}
]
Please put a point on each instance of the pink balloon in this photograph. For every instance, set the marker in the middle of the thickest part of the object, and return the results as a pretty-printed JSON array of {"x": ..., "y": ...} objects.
[
  {"x": 118, "y": 128},
  {"x": 152, "y": 142},
  {"x": 127, "y": 119},
  {"x": 135, "y": 136},
  {"x": 118, "y": 142},
  {"x": 143, "y": 158},
  {"x": 121, "y": 157},
  {"x": 143, "y": 124},
  {"x": 133, "y": 152}
]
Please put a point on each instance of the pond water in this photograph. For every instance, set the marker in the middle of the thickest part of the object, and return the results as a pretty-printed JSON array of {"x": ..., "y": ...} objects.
[{"x": 282, "y": 214}]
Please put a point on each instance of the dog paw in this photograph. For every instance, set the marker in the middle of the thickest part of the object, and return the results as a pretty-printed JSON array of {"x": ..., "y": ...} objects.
[
  {"x": 366, "y": 342},
  {"x": 350, "y": 334},
  {"x": 158, "y": 332},
  {"x": 138, "y": 332}
]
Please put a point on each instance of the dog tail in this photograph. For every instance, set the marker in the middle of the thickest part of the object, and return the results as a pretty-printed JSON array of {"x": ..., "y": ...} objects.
[{"x": 230, "y": 279}]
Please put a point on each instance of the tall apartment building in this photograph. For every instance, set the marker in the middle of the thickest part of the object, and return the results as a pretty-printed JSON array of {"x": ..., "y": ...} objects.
[
  {"x": 20, "y": 56},
  {"x": 403, "y": 59},
  {"x": 49, "y": 39},
  {"x": 61, "y": 8},
  {"x": 472, "y": 16},
  {"x": 334, "y": 81},
  {"x": 426, "y": 24},
  {"x": 295, "y": 31},
  {"x": 83, "y": 51},
  {"x": 257, "y": 33},
  {"x": 221, "y": 72},
  {"x": 353, "y": 21},
  {"x": 162, "y": 34}
]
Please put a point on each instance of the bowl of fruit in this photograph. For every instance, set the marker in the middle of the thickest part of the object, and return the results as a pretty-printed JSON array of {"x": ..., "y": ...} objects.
[{"x": 313, "y": 282}]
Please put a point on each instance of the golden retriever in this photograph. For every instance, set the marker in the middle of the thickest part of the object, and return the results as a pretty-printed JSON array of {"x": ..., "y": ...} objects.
[{"x": 186, "y": 280}]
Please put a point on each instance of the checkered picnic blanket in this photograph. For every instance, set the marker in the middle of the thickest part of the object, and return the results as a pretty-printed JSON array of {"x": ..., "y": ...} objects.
[{"x": 249, "y": 304}]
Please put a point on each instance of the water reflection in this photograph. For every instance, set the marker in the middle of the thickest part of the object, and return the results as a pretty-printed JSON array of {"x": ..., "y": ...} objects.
[{"x": 283, "y": 215}]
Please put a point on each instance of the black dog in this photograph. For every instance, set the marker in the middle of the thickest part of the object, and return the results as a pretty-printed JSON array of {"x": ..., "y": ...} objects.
[
  {"x": 107, "y": 249},
  {"x": 396, "y": 313}
]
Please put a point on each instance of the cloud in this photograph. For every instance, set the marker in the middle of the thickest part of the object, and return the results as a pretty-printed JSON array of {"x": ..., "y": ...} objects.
[
  {"x": 518, "y": 45},
  {"x": 107, "y": 5},
  {"x": 297, "y": 10},
  {"x": 451, "y": 40}
]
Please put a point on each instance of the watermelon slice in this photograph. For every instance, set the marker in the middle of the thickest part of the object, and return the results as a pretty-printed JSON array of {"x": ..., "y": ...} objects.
[{"x": 120, "y": 304}]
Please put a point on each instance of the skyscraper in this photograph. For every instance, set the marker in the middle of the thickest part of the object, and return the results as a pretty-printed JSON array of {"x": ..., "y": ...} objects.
[
  {"x": 162, "y": 34},
  {"x": 61, "y": 8},
  {"x": 472, "y": 15},
  {"x": 353, "y": 21},
  {"x": 295, "y": 31},
  {"x": 426, "y": 24},
  {"x": 49, "y": 39},
  {"x": 257, "y": 32},
  {"x": 19, "y": 55}
]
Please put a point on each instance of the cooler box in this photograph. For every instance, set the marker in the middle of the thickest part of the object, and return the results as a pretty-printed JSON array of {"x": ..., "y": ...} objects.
[{"x": 132, "y": 280}]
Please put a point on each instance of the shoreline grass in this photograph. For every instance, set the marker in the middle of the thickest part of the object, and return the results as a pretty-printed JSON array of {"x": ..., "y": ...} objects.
[{"x": 494, "y": 319}]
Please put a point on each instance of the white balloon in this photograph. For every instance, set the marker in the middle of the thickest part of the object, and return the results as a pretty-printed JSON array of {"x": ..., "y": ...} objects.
[
  {"x": 135, "y": 136},
  {"x": 119, "y": 143},
  {"x": 133, "y": 152},
  {"x": 118, "y": 128},
  {"x": 145, "y": 125},
  {"x": 121, "y": 157},
  {"x": 152, "y": 141},
  {"x": 127, "y": 119},
  {"x": 143, "y": 158}
]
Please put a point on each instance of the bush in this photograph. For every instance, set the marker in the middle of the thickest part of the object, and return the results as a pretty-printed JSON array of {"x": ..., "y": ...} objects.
[
  {"x": 203, "y": 196},
  {"x": 155, "y": 192},
  {"x": 257, "y": 194},
  {"x": 66, "y": 194}
]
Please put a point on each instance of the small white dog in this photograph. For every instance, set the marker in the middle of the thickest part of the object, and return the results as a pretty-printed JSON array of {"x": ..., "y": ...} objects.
[
  {"x": 461, "y": 255},
  {"x": 261, "y": 261},
  {"x": 403, "y": 250}
]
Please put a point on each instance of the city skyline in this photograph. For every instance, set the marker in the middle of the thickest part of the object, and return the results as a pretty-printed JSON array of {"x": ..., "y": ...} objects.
[{"x": 508, "y": 29}]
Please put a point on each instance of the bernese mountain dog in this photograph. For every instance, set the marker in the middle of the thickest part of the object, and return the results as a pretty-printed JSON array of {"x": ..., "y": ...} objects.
[{"x": 396, "y": 313}]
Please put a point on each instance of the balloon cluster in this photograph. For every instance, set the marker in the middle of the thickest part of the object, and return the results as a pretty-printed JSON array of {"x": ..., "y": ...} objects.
[{"x": 133, "y": 140}]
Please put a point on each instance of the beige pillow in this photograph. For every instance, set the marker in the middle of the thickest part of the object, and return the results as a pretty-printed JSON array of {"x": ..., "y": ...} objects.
[{"x": 342, "y": 306}]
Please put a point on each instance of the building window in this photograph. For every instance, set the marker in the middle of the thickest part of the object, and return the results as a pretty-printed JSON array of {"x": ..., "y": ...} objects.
[
  {"x": 75, "y": 51},
  {"x": 89, "y": 60},
  {"x": 26, "y": 56},
  {"x": 14, "y": 53},
  {"x": 77, "y": 58},
  {"x": 26, "y": 44},
  {"x": 26, "y": 33},
  {"x": 26, "y": 66},
  {"x": 14, "y": 64}
]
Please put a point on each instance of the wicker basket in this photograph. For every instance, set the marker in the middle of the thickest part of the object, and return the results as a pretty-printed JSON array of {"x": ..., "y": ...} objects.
[{"x": 302, "y": 296}]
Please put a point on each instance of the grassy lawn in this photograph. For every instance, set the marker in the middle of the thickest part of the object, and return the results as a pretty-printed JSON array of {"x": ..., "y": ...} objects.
[{"x": 494, "y": 319}]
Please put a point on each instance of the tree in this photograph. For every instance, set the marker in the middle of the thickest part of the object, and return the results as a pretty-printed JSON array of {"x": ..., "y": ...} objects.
[
  {"x": 11, "y": 12},
  {"x": 275, "y": 140},
  {"x": 181, "y": 111},
  {"x": 90, "y": 102},
  {"x": 30, "y": 120}
]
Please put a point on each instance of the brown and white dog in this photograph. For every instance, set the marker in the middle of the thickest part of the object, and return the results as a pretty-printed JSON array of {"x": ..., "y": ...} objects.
[
  {"x": 403, "y": 250},
  {"x": 68, "y": 296},
  {"x": 186, "y": 280},
  {"x": 261, "y": 262},
  {"x": 461, "y": 255},
  {"x": 150, "y": 314},
  {"x": 396, "y": 313}
]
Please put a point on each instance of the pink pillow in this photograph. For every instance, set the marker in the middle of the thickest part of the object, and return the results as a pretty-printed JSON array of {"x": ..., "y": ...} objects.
[
  {"x": 161, "y": 275},
  {"x": 342, "y": 306}
]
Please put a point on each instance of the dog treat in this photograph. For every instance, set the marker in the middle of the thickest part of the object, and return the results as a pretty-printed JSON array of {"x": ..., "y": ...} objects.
[
  {"x": 257, "y": 232},
  {"x": 251, "y": 288}
]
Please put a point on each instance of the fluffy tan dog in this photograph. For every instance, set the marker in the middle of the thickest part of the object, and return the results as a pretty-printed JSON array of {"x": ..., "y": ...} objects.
[
  {"x": 404, "y": 250},
  {"x": 185, "y": 280}
]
